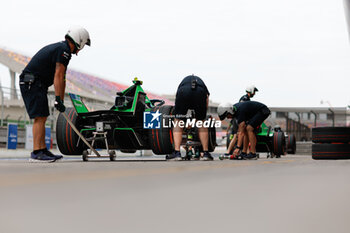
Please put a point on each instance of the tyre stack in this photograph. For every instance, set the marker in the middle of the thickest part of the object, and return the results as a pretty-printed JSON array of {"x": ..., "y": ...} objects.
[
  {"x": 331, "y": 143},
  {"x": 291, "y": 144}
]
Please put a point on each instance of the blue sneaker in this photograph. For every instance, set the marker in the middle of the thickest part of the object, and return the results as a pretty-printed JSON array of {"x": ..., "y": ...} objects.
[
  {"x": 41, "y": 157},
  {"x": 176, "y": 155},
  {"x": 56, "y": 157}
]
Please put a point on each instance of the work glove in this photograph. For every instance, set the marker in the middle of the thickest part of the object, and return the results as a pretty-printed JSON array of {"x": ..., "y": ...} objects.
[{"x": 59, "y": 104}]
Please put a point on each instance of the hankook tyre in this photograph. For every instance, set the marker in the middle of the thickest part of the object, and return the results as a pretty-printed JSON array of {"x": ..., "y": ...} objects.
[
  {"x": 330, "y": 151},
  {"x": 279, "y": 144},
  {"x": 291, "y": 144},
  {"x": 331, "y": 134},
  {"x": 161, "y": 140},
  {"x": 67, "y": 139}
]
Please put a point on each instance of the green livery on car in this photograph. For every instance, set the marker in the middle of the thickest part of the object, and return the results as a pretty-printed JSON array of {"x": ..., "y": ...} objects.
[{"x": 122, "y": 125}]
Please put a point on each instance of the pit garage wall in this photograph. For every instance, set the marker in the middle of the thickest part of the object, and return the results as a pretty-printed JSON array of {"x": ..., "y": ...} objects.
[{"x": 14, "y": 114}]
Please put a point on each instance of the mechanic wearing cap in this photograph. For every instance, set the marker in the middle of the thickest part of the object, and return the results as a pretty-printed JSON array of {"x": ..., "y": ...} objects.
[
  {"x": 250, "y": 115},
  {"x": 251, "y": 90},
  {"x": 47, "y": 67},
  {"x": 192, "y": 93}
]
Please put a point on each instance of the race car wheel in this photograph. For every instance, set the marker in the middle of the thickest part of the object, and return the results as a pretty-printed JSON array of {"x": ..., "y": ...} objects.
[
  {"x": 212, "y": 138},
  {"x": 331, "y": 134},
  {"x": 291, "y": 144},
  {"x": 330, "y": 151},
  {"x": 67, "y": 139},
  {"x": 279, "y": 144},
  {"x": 161, "y": 140}
]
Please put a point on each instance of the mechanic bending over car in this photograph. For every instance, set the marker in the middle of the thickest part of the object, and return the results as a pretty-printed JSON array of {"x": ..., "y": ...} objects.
[
  {"x": 47, "y": 67},
  {"x": 192, "y": 93},
  {"x": 250, "y": 115},
  {"x": 251, "y": 90}
]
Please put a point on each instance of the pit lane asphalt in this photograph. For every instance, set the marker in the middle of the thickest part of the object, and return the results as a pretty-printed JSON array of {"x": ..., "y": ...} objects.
[{"x": 290, "y": 194}]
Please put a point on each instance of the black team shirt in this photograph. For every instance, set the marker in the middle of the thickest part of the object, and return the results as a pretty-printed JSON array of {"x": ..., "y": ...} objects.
[
  {"x": 246, "y": 110},
  {"x": 43, "y": 64}
]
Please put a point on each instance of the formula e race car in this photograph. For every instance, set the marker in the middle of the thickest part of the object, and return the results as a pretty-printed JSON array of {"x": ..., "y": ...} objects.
[
  {"x": 274, "y": 141},
  {"x": 123, "y": 127}
]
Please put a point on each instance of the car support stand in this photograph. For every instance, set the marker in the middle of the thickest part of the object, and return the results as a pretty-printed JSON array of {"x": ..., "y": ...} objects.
[{"x": 99, "y": 134}]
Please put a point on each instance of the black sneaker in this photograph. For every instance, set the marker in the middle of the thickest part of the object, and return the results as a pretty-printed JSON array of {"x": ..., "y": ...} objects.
[
  {"x": 250, "y": 156},
  {"x": 240, "y": 156},
  {"x": 207, "y": 156},
  {"x": 176, "y": 155},
  {"x": 56, "y": 157},
  {"x": 41, "y": 157}
]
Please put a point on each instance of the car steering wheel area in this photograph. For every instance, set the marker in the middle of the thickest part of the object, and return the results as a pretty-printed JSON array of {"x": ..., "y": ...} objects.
[{"x": 154, "y": 101}]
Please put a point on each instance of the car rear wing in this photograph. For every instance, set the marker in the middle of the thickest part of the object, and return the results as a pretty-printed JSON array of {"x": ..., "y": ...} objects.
[{"x": 78, "y": 103}]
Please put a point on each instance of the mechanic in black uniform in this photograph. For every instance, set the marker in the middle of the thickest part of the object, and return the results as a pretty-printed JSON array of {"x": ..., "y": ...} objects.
[
  {"x": 251, "y": 90},
  {"x": 47, "y": 67},
  {"x": 250, "y": 115},
  {"x": 192, "y": 93}
]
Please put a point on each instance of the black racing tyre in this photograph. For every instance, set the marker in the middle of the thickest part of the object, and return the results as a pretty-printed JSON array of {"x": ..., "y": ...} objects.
[
  {"x": 291, "y": 144},
  {"x": 161, "y": 140},
  {"x": 67, "y": 139},
  {"x": 279, "y": 144},
  {"x": 331, "y": 134},
  {"x": 211, "y": 137},
  {"x": 330, "y": 151}
]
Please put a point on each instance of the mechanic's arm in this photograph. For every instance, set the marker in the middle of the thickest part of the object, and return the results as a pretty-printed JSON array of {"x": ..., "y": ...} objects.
[
  {"x": 240, "y": 134},
  {"x": 59, "y": 80}
]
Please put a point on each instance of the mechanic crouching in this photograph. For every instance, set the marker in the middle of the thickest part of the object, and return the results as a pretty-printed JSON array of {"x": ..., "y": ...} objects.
[
  {"x": 47, "y": 67},
  {"x": 192, "y": 93},
  {"x": 250, "y": 115},
  {"x": 250, "y": 90}
]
